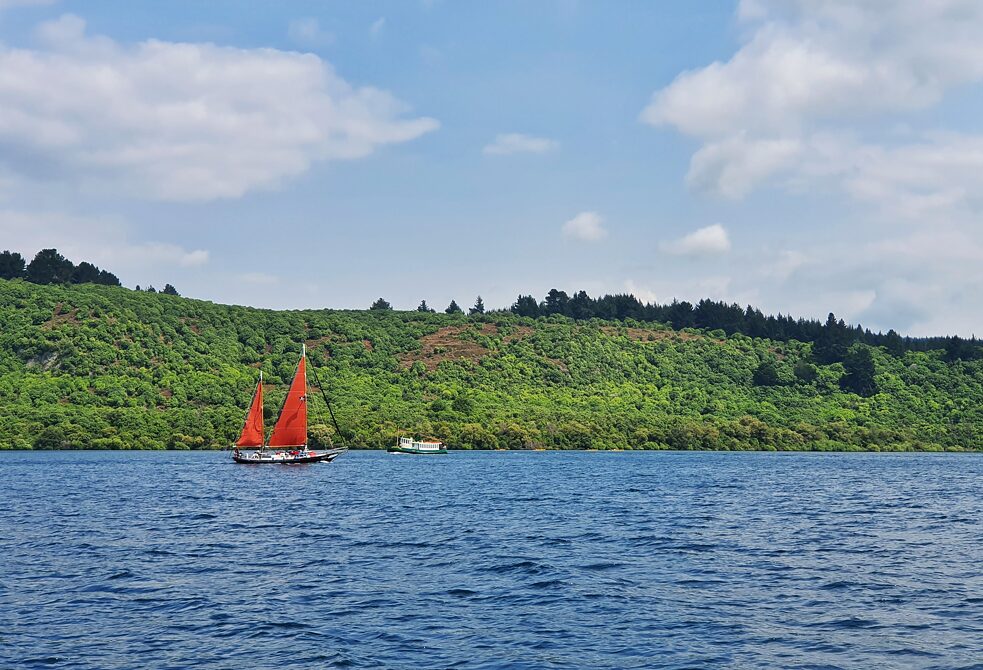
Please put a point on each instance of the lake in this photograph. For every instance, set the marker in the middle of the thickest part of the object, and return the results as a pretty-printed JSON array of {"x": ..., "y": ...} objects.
[{"x": 492, "y": 560}]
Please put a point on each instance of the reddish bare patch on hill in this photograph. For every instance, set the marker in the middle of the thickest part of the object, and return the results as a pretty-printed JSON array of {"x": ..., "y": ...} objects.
[
  {"x": 186, "y": 321},
  {"x": 646, "y": 335},
  {"x": 520, "y": 332},
  {"x": 59, "y": 317},
  {"x": 446, "y": 345},
  {"x": 312, "y": 345}
]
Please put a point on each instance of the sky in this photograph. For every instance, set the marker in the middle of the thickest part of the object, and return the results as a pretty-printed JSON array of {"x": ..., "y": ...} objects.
[{"x": 803, "y": 156}]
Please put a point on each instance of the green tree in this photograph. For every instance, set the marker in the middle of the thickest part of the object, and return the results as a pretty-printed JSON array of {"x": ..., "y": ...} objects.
[
  {"x": 860, "y": 370},
  {"x": 453, "y": 308},
  {"x": 463, "y": 404},
  {"x": 805, "y": 371},
  {"x": 170, "y": 290},
  {"x": 893, "y": 343},
  {"x": 832, "y": 343},
  {"x": 555, "y": 302},
  {"x": 479, "y": 307},
  {"x": 525, "y": 305},
  {"x": 766, "y": 374},
  {"x": 85, "y": 273},
  {"x": 50, "y": 267},
  {"x": 581, "y": 306},
  {"x": 108, "y": 278},
  {"x": 424, "y": 307},
  {"x": 381, "y": 305},
  {"x": 11, "y": 265}
]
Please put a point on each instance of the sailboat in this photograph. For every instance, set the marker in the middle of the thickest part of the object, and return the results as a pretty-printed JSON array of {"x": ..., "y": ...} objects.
[{"x": 288, "y": 441}]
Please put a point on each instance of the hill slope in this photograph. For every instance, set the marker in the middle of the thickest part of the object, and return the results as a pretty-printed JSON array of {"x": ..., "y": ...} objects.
[{"x": 103, "y": 367}]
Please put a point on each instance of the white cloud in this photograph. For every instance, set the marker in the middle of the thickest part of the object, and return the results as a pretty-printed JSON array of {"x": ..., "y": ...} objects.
[
  {"x": 708, "y": 241},
  {"x": 784, "y": 266},
  {"x": 181, "y": 121},
  {"x": 375, "y": 30},
  {"x": 733, "y": 166},
  {"x": 104, "y": 241},
  {"x": 307, "y": 32},
  {"x": 587, "y": 226},
  {"x": 516, "y": 143},
  {"x": 806, "y": 69},
  {"x": 644, "y": 294}
]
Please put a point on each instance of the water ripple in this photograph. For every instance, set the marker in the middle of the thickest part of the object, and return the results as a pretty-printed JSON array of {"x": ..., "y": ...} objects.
[{"x": 476, "y": 560}]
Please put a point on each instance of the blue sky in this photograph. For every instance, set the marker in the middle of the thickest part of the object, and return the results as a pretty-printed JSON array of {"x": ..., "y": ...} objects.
[{"x": 805, "y": 157}]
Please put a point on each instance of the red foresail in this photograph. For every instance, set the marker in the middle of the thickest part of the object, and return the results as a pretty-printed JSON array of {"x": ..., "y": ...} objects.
[
  {"x": 291, "y": 427},
  {"x": 252, "y": 430}
]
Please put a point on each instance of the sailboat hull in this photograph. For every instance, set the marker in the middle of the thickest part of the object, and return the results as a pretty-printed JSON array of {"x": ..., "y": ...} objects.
[{"x": 286, "y": 457}]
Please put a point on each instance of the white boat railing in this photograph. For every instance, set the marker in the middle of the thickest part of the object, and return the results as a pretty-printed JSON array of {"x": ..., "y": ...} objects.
[{"x": 421, "y": 446}]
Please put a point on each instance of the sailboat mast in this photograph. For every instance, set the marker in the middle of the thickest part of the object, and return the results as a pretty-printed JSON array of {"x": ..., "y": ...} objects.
[{"x": 262, "y": 446}]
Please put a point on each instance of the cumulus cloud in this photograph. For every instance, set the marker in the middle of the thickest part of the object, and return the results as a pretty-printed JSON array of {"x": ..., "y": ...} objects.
[
  {"x": 708, "y": 241},
  {"x": 586, "y": 226},
  {"x": 806, "y": 70},
  {"x": 106, "y": 242},
  {"x": 643, "y": 293},
  {"x": 177, "y": 121},
  {"x": 517, "y": 143}
]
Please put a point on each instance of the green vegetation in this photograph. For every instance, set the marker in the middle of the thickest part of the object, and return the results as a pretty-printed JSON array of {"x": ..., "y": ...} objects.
[
  {"x": 50, "y": 267},
  {"x": 94, "y": 366}
]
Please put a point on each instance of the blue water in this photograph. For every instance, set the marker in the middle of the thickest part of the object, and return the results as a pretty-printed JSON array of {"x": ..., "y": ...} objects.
[{"x": 492, "y": 560}]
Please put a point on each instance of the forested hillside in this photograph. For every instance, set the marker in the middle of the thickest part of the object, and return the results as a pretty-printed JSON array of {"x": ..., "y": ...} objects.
[{"x": 94, "y": 366}]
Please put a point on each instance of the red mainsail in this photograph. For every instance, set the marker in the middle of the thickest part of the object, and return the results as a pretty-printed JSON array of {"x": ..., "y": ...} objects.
[
  {"x": 252, "y": 430},
  {"x": 291, "y": 428}
]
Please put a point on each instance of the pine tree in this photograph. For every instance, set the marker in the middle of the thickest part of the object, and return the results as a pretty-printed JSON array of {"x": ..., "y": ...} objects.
[
  {"x": 11, "y": 265},
  {"x": 50, "y": 267},
  {"x": 108, "y": 278},
  {"x": 859, "y": 377},
  {"x": 381, "y": 305},
  {"x": 424, "y": 307},
  {"x": 479, "y": 307},
  {"x": 85, "y": 273},
  {"x": 555, "y": 302},
  {"x": 525, "y": 305},
  {"x": 453, "y": 308},
  {"x": 170, "y": 290}
]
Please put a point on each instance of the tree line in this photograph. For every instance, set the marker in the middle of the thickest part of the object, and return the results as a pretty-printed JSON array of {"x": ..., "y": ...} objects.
[
  {"x": 832, "y": 339},
  {"x": 50, "y": 267}
]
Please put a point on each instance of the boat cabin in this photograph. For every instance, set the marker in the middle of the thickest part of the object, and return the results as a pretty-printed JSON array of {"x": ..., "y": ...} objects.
[{"x": 407, "y": 443}]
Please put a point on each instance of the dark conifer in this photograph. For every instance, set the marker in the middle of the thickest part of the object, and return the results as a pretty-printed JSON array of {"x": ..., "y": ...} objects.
[{"x": 11, "y": 265}]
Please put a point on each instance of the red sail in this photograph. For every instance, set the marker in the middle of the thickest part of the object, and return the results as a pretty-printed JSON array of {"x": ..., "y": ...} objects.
[
  {"x": 291, "y": 427},
  {"x": 252, "y": 430}
]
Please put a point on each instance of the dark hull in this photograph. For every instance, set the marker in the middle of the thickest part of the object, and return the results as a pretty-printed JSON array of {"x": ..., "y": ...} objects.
[{"x": 313, "y": 457}]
